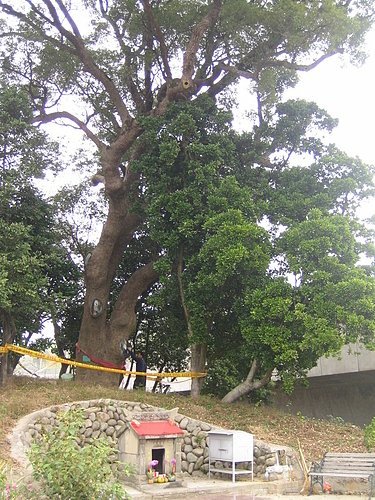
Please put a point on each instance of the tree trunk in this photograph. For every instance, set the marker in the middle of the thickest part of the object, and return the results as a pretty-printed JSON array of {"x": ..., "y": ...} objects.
[
  {"x": 248, "y": 385},
  {"x": 3, "y": 369},
  {"x": 101, "y": 336},
  {"x": 9, "y": 334},
  {"x": 198, "y": 364},
  {"x": 198, "y": 351},
  {"x": 59, "y": 344},
  {"x": 96, "y": 336}
]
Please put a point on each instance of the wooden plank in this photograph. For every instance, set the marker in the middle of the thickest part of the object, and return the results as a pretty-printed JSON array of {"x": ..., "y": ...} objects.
[
  {"x": 347, "y": 471},
  {"x": 357, "y": 462},
  {"x": 354, "y": 455},
  {"x": 349, "y": 459},
  {"x": 344, "y": 464},
  {"x": 341, "y": 474}
]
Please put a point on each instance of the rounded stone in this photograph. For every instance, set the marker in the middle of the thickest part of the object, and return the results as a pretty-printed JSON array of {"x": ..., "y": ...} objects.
[
  {"x": 198, "y": 452},
  {"x": 191, "y": 458},
  {"x": 88, "y": 432},
  {"x": 205, "y": 427},
  {"x": 96, "y": 425},
  {"x": 197, "y": 473},
  {"x": 184, "y": 423},
  {"x": 191, "y": 426},
  {"x": 184, "y": 466},
  {"x": 198, "y": 463},
  {"x": 270, "y": 461},
  {"x": 257, "y": 452}
]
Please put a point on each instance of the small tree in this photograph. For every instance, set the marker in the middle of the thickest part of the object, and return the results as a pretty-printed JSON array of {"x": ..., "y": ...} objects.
[{"x": 67, "y": 470}]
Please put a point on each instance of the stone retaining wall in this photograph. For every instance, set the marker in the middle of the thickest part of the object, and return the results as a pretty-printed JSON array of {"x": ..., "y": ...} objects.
[{"x": 105, "y": 418}]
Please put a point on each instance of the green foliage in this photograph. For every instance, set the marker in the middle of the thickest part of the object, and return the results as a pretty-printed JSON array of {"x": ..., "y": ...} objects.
[
  {"x": 9, "y": 489},
  {"x": 22, "y": 271},
  {"x": 38, "y": 278},
  {"x": 67, "y": 470},
  {"x": 228, "y": 218},
  {"x": 369, "y": 436}
]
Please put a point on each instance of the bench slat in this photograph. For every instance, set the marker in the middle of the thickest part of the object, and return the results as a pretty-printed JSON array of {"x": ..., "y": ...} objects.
[
  {"x": 350, "y": 459},
  {"x": 354, "y": 455},
  {"x": 346, "y": 465},
  {"x": 340, "y": 474},
  {"x": 353, "y": 466},
  {"x": 347, "y": 469}
]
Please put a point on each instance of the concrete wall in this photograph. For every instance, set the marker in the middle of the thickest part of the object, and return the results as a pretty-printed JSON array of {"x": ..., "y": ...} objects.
[
  {"x": 353, "y": 358},
  {"x": 350, "y": 396}
]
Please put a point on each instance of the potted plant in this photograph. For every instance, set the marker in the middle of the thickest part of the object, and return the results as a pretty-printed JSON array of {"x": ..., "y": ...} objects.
[
  {"x": 151, "y": 473},
  {"x": 172, "y": 474}
]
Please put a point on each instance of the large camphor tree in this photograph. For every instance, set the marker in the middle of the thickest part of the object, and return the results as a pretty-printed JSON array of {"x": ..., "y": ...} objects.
[{"x": 112, "y": 69}]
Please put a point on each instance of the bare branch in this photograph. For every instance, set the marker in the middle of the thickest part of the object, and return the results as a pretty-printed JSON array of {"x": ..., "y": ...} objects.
[
  {"x": 136, "y": 95},
  {"x": 80, "y": 51},
  {"x": 302, "y": 67},
  {"x": 46, "y": 118},
  {"x": 155, "y": 28}
]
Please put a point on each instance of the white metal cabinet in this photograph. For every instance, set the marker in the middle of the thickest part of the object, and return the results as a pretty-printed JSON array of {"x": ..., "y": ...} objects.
[{"x": 230, "y": 446}]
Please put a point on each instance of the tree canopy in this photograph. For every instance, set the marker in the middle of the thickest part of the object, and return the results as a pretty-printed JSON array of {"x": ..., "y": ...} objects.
[{"x": 36, "y": 271}]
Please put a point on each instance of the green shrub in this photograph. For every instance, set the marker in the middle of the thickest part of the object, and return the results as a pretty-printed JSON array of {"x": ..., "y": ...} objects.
[
  {"x": 66, "y": 470},
  {"x": 8, "y": 488},
  {"x": 369, "y": 435}
]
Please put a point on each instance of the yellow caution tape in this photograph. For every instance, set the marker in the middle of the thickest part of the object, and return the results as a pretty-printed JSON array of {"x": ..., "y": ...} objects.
[{"x": 35, "y": 354}]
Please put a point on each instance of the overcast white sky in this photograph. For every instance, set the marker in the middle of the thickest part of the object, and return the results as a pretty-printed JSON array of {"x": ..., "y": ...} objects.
[{"x": 347, "y": 93}]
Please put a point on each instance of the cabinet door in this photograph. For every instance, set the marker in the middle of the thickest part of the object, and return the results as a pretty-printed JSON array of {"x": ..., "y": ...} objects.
[
  {"x": 220, "y": 447},
  {"x": 243, "y": 447}
]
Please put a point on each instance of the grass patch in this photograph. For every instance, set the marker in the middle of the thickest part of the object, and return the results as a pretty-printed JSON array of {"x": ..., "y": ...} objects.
[{"x": 24, "y": 395}]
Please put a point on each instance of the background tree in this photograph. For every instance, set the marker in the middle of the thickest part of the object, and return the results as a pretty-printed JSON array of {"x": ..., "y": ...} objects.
[
  {"x": 36, "y": 269},
  {"x": 126, "y": 68}
]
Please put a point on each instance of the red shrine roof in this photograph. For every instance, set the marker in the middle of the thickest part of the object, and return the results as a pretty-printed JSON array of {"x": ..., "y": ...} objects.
[{"x": 156, "y": 428}]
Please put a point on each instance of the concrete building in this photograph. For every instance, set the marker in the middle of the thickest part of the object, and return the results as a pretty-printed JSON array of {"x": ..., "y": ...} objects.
[{"x": 339, "y": 388}]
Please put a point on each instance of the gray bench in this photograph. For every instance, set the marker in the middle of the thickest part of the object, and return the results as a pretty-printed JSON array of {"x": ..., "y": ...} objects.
[{"x": 349, "y": 465}]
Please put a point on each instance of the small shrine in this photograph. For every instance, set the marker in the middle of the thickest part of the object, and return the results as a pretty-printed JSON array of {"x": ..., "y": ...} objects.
[{"x": 151, "y": 438}]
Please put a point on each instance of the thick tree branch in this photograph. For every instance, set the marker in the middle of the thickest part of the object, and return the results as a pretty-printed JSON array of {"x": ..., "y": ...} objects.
[
  {"x": 155, "y": 28},
  {"x": 182, "y": 293},
  {"x": 89, "y": 64},
  {"x": 22, "y": 17},
  {"x": 249, "y": 384},
  {"x": 123, "y": 318},
  {"x": 134, "y": 92},
  {"x": 192, "y": 47}
]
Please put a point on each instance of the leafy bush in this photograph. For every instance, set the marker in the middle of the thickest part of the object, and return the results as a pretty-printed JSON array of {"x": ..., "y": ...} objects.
[
  {"x": 369, "y": 435},
  {"x": 8, "y": 489},
  {"x": 65, "y": 469}
]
